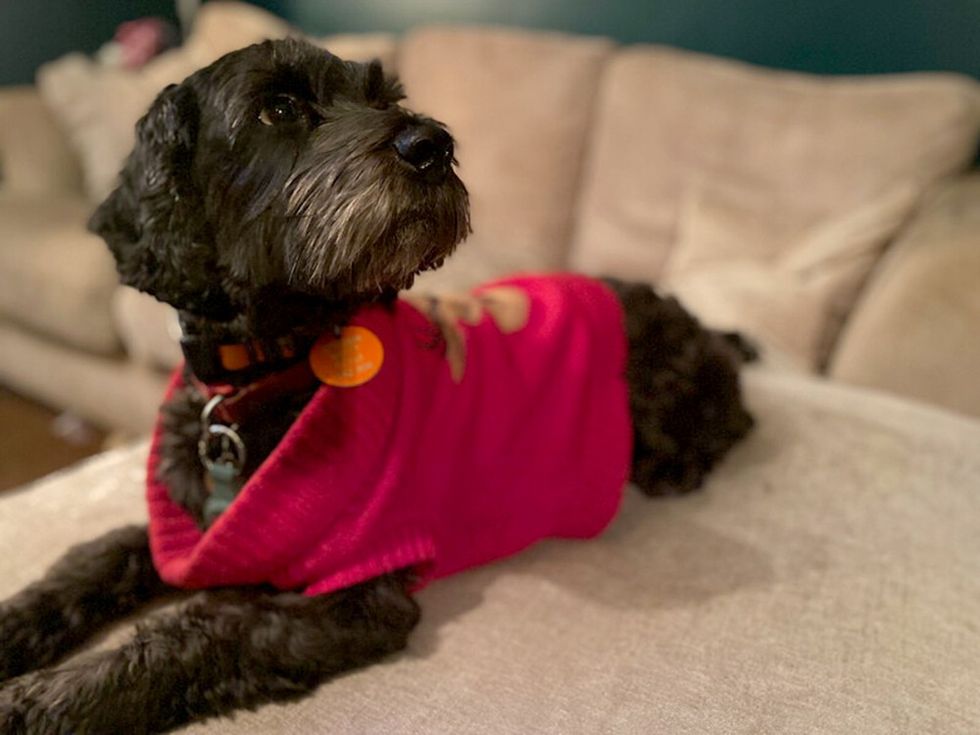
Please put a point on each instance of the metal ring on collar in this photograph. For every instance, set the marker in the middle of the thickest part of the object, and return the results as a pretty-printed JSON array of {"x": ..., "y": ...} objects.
[
  {"x": 229, "y": 439},
  {"x": 209, "y": 408}
]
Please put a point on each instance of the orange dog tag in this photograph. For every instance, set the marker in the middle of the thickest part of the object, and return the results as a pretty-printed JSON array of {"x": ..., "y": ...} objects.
[{"x": 351, "y": 359}]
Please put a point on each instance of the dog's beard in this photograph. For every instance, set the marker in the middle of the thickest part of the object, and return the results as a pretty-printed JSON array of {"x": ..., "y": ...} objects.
[{"x": 366, "y": 226}]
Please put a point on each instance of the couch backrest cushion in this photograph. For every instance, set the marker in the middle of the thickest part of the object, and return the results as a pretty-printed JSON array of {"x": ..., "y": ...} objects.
[
  {"x": 35, "y": 157},
  {"x": 56, "y": 279},
  {"x": 520, "y": 105},
  {"x": 917, "y": 329},
  {"x": 741, "y": 187}
]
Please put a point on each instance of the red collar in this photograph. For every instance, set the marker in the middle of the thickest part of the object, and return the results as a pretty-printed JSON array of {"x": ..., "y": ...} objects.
[
  {"x": 239, "y": 402},
  {"x": 214, "y": 360},
  {"x": 246, "y": 374}
]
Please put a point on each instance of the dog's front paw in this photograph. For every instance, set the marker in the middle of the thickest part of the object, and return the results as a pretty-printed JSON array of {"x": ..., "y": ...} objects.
[
  {"x": 49, "y": 701},
  {"x": 32, "y": 635}
]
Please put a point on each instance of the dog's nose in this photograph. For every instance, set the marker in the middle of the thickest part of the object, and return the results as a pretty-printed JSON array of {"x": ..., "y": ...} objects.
[{"x": 427, "y": 148}]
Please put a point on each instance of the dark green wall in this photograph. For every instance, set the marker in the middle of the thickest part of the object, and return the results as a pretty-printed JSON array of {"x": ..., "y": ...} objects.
[
  {"x": 35, "y": 31},
  {"x": 825, "y": 36}
]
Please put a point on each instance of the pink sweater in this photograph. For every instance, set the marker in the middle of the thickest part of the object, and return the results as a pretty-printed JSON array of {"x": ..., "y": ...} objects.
[{"x": 428, "y": 467}]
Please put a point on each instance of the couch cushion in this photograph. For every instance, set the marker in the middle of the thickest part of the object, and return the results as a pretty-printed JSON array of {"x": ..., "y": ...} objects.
[
  {"x": 98, "y": 107},
  {"x": 916, "y": 330},
  {"x": 519, "y": 104},
  {"x": 692, "y": 154},
  {"x": 35, "y": 157},
  {"x": 791, "y": 288},
  {"x": 826, "y": 580},
  {"x": 109, "y": 390},
  {"x": 55, "y": 277}
]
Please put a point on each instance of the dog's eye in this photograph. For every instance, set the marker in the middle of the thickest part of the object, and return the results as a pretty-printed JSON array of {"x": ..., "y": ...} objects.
[{"x": 280, "y": 110}]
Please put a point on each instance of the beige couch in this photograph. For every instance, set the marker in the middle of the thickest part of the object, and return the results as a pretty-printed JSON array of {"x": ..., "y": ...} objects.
[
  {"x": 829, "y": 217},
  {"x": 827, "y": 579}
]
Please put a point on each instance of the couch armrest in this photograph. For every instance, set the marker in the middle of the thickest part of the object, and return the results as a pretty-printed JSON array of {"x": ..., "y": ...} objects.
[
  {"x": 916, "y": 329},
  {"x": 35, "y": 156}
]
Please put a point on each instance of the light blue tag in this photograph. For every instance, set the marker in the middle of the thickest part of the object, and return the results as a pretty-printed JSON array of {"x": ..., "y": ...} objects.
[{"x": 222, "y": 490}]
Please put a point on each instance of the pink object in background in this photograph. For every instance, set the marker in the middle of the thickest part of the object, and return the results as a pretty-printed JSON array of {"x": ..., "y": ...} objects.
[
  {"x": 140, "y": 40},
  {"x": 418, "y": 468}
]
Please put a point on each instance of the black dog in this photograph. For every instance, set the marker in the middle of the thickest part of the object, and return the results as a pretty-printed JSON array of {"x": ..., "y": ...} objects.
[{"x": 268, "y": 198}]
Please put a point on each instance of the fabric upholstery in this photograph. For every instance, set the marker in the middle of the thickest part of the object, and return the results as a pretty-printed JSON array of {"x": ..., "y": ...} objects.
[
  {"x": 520, "y": 105},
  {"x": 110, "y": 391},
  {"x": 35, "y": 157},
  {"x": 917, "y": 329},
  {"x": 703, "y": 161},
  {"x": 791, "y": 290},
  {"x": 826, "y": 580},
  {"x": 55, "y": 277}
]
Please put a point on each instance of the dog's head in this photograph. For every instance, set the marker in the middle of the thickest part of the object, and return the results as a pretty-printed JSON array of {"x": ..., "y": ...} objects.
[{"x": 282, "y": 169}]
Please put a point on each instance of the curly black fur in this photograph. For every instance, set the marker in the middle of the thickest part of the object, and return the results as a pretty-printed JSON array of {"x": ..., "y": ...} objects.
[
  {"x": 267, "y": 194},
  {"x": 93, "y": 584},
  {"x": 684, "y": 393},
  {"x": 180, "y": 465},
  {"x": 223, "y": 651}
]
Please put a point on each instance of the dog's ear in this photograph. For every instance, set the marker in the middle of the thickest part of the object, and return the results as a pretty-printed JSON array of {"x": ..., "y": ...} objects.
[{"x": 153, "y": 222}]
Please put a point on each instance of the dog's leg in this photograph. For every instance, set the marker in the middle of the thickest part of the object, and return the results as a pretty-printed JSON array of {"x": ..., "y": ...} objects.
[
  {"x": 225, "y": 650},
  {"x": 91, "y": 585},
  {"x": 685, "y": 398}
]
